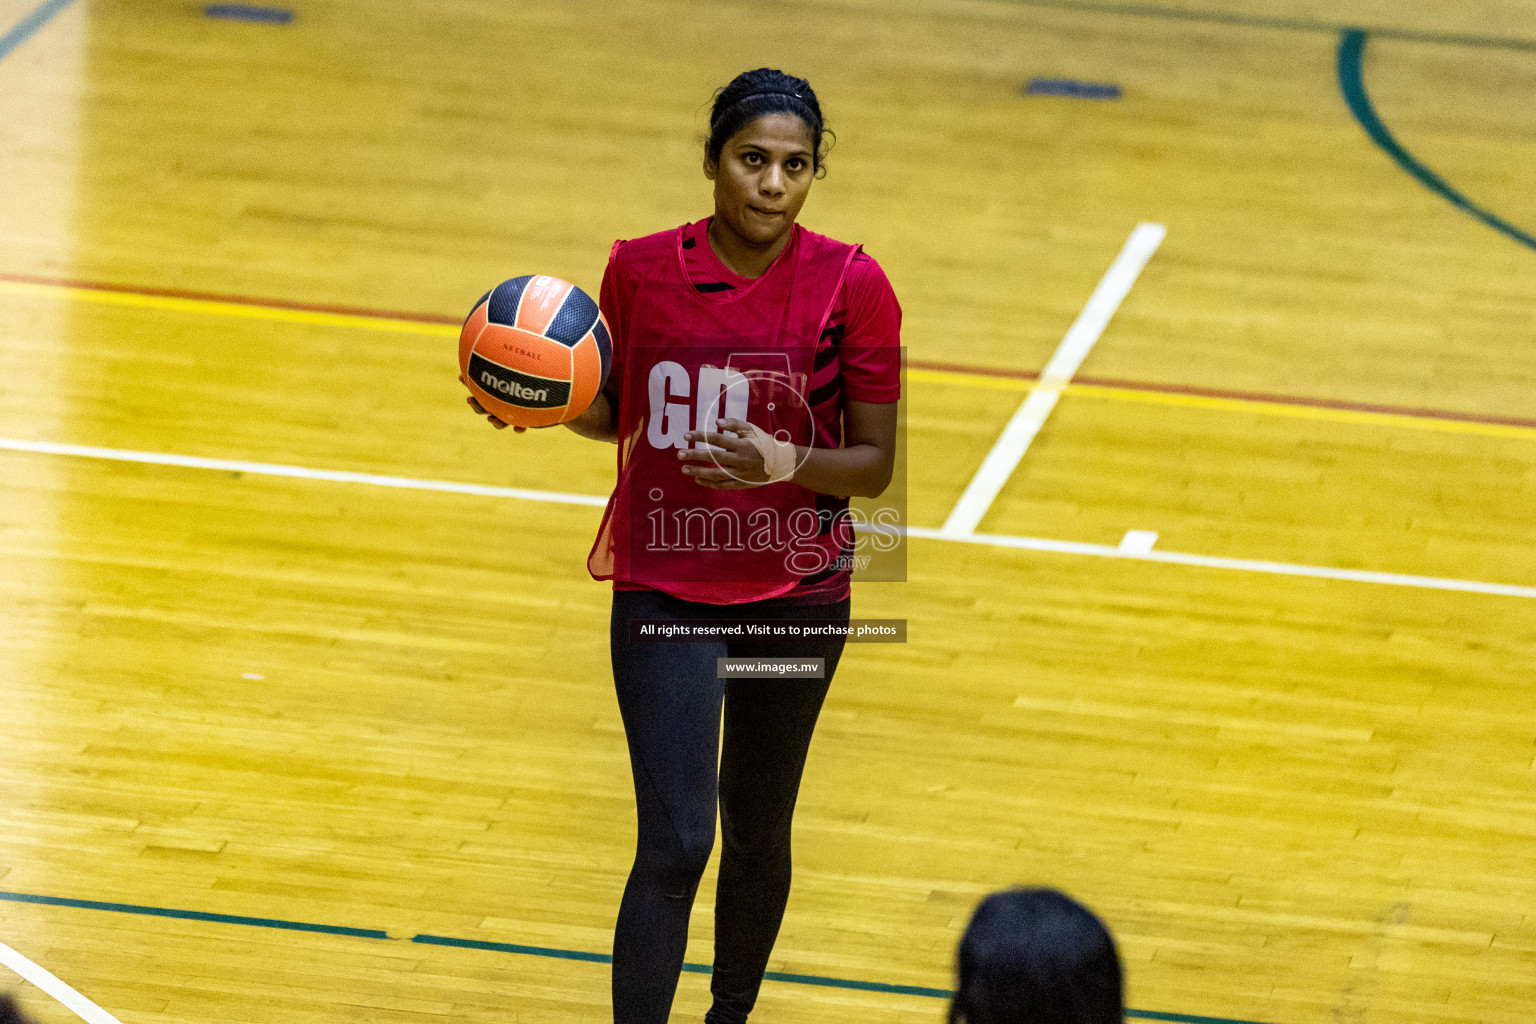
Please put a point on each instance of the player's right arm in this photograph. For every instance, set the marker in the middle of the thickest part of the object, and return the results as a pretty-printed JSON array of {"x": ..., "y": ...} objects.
[{"x": 600, "y": 421}]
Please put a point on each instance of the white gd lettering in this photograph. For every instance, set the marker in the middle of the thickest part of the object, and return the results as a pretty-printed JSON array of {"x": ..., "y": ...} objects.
[
  {"x": 722, "y": 394},
  {"x": 668, "y": 422},
  {"x": 713, "y": 381}
]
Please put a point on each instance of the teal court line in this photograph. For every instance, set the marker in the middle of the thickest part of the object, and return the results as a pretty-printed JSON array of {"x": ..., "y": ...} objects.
[
  {"x": 27, "y": 27},
  {"x": 1282, "y": 24},
  {"x": 816, "y": 980},
  {"x": 1352, "y": 82}
]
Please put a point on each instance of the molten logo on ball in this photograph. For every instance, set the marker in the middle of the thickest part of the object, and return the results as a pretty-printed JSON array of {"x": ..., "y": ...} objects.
[
  {"x": 520, "y": 389},
  {"x": 513, "y": 388}
]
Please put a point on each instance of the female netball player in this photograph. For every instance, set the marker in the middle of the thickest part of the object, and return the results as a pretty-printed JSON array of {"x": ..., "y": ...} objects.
[{"x": 753, "y": 389}]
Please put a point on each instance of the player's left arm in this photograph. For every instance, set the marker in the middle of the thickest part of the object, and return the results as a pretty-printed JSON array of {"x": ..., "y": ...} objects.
[
  {"x": 862, "y": 467},
  {"x": 870, "y": 355}
]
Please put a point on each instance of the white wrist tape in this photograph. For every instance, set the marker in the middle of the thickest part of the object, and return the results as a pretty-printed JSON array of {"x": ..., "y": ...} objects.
[{"x": 779, "y": 459}]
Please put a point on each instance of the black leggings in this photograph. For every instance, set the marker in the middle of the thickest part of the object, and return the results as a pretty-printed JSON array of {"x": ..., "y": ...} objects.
[{"x": 670, "y": 700}]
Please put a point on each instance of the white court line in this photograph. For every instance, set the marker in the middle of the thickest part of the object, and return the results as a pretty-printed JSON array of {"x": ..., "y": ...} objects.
[
  {"x": 1138, "y": 541},
  {"x": 1026, "y": 423},
  {"x": 76, "y": 1003},
  {"x": 301, "y": 472},
  {"x": 996, "y": 540},
  {"x": 1322, "y": 572}
]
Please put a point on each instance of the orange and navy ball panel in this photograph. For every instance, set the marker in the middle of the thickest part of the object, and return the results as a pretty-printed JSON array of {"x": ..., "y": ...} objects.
[
  {"x": 575, "y": 320},
  {"x": 588, "y": 361},
  {"x": 528, "y": 353},
  {"x": 503, "y": 300},
  {"x": 551, "y": 307},
  {"x": 471, "y": 332},
  {"x": 543, "y": 305},
  {"x": 604, "y": 348},
  {"x": 541, "y": 299}
]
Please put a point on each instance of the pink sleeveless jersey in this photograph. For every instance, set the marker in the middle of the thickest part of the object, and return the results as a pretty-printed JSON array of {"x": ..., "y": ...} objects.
[{"x": 683, "y": 361}]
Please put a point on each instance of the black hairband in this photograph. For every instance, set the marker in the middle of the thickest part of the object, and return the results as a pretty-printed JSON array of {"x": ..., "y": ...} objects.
[
  {"x": 772, "y": 92},
  {"x": 776, "y": 92}
]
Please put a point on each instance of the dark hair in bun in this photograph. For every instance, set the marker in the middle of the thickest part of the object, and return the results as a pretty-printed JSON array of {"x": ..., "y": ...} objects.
[{"x": 752, "y": 94}]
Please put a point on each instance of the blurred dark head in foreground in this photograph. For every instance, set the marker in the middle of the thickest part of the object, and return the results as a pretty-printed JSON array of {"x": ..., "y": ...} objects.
[
  {"x": 10, "y": 1013},
  {"x": 1036, "y": 956}
]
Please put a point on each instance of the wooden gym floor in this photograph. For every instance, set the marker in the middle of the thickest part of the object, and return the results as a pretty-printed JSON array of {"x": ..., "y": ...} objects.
[{"x": 1297, "y": 799}]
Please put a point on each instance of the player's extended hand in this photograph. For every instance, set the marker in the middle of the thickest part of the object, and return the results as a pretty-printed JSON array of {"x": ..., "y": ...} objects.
[
  {"x": 739, "y": 465},
  {"x": 498, "y": 424}
]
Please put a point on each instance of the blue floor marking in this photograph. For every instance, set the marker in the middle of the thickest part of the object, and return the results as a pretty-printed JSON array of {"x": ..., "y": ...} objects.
[
  {"x": 544, "y": 951},
  {"x": 1072, "y": 88},
  {"x": 250, "y": 12},
  {"x": 1352, "y": 82},
  {"x": 27, "y": 27}
]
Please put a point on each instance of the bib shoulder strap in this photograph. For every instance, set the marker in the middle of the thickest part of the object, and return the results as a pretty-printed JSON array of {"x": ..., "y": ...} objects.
[
  {"x": 638, "y": 251},
  {"x": 828, "y": 260},
  {"x": 823, "y": 251},
  {"x": 637, "y": 262}
]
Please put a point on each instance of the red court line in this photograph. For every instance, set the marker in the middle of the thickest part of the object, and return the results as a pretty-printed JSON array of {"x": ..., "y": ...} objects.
[
  {"x": 1241, "y": 396},
  {"x": 237, "y": 300},
  {"x": 982, "y": 371},
  {"x": 1318, "y": 403}
]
